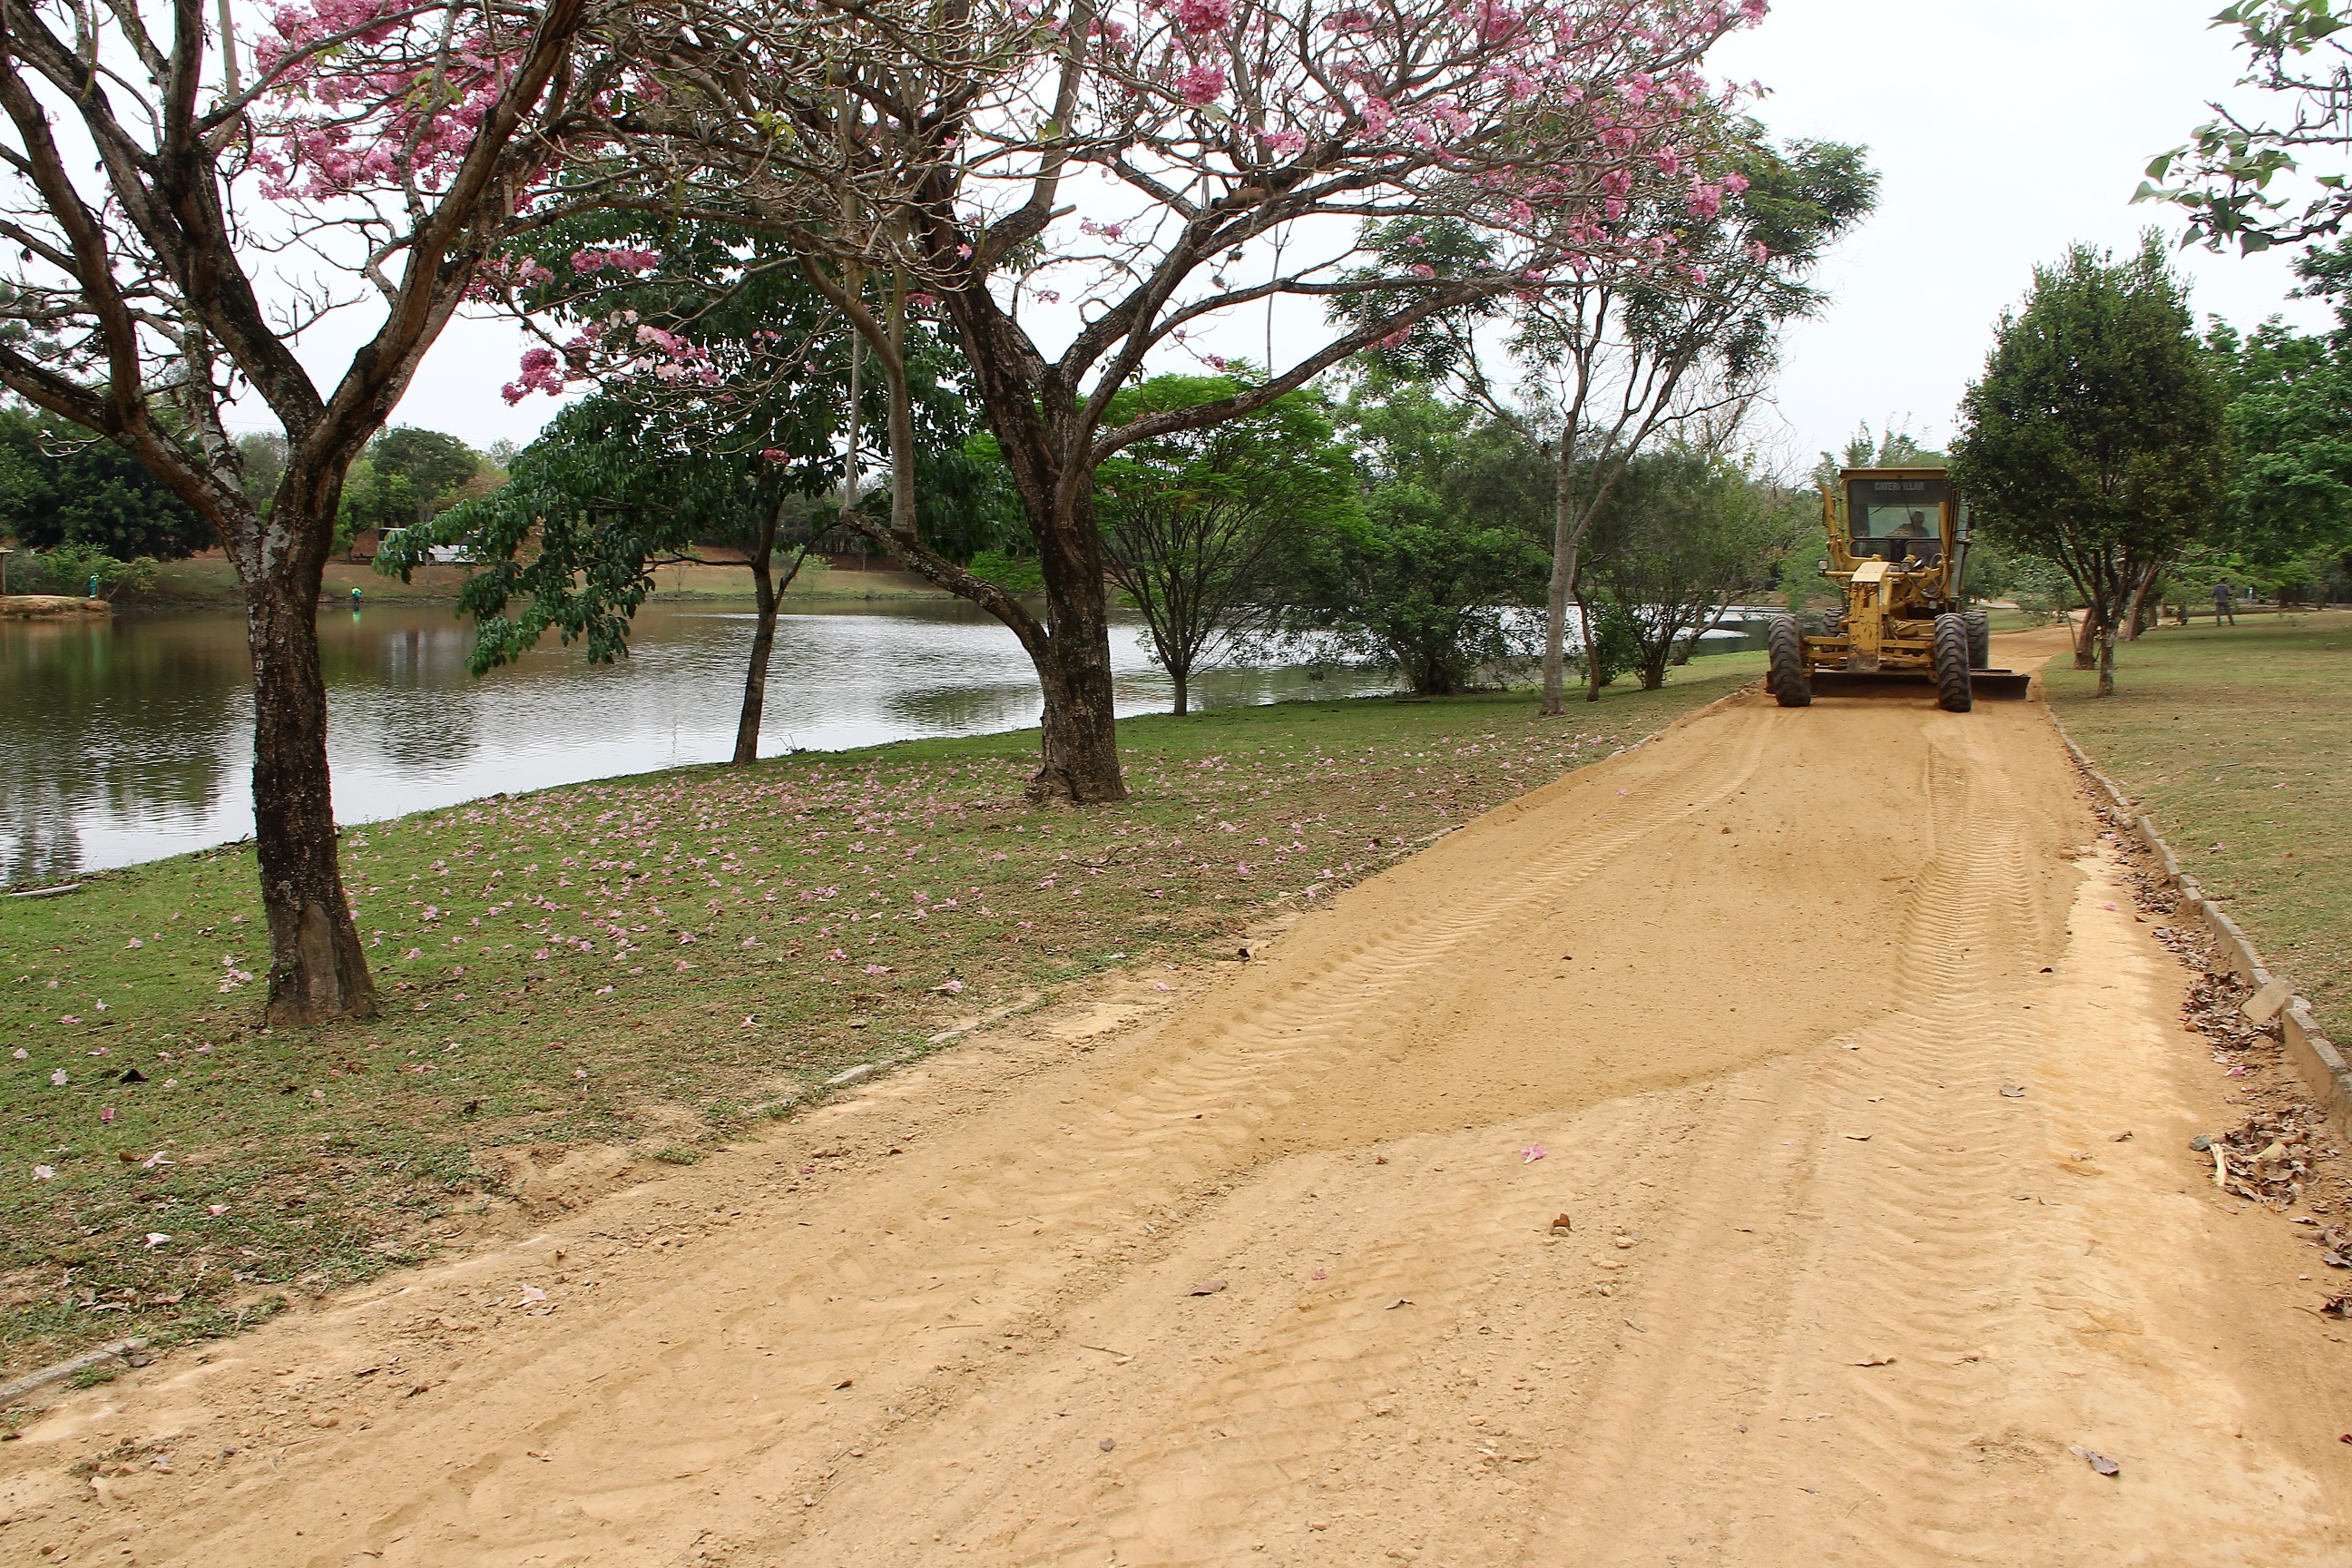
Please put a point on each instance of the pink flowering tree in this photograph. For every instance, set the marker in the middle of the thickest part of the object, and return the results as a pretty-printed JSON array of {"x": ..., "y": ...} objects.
[
  {"x": 1093, "y": 188},
  {"x": 181, "y": 205}
]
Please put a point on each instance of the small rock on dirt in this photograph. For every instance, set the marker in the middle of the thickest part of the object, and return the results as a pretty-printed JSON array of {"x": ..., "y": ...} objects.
[
  {"x": 1207, "y": 1287},
  {"x": 2096, "y": 1459}
]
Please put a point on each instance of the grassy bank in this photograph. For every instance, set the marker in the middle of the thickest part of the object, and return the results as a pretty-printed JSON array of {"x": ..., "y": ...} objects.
[
  {"x": 210, "y": 581},
  {"x": 2235, "y": 740},
  {"x": 655, "y": 963}
]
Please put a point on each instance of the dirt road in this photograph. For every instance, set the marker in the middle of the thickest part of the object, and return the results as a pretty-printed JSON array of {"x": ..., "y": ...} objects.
[{"x": 1263, "y": 1267}]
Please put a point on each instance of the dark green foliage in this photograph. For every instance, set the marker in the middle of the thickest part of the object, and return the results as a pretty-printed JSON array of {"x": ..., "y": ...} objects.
[
  {"x": 2226, "y": 176},
  {"x": 1196, "y": 525},
  {"x": 2095, "y": 438},
  {"x": 436, "y": 466},
  {"x": 2290, "y": 486},
  {"x": 60, "y": 485},
  {"x": 648, "y": 468},
  {"x": 1685, "y": 535},
  {"x": 1436, "y": 577}
]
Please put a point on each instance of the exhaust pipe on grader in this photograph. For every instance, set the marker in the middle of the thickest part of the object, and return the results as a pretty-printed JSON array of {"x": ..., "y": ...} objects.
[{"x": 1898, "y": 540}]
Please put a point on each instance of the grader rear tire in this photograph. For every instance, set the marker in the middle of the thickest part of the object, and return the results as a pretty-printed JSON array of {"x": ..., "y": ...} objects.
[
  {"x": 1979, "y": 639},
  {"x": 1952, "y": 692},
  {"x": 1784, "y": 646}
]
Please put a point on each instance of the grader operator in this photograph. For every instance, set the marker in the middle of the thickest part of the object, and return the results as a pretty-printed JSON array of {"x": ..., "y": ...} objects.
[{"x": 1898, "y": 542}]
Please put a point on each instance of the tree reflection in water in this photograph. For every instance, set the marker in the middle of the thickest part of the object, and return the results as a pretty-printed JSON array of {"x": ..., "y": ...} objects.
[{"x": 126, "y": 741}]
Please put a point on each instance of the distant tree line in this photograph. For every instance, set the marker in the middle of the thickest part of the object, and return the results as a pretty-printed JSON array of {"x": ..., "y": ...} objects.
[{"x": 76, "y": 506}]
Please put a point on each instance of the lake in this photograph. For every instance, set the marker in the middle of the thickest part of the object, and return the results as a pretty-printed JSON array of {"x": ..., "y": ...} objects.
[{"x": 128, "y": 739}]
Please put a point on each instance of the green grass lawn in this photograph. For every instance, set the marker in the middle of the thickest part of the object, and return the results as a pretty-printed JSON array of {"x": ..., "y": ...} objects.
[
  {"x": 657, "y": 962},
  {"x": 2238, "y": 742}
]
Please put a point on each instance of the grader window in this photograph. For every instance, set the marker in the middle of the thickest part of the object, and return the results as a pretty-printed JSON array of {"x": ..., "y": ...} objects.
[{"x": 1896, "y": 508}]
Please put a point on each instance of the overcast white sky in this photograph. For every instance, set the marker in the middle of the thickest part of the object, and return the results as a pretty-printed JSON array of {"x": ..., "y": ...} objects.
[{"x": 2002, "y": 130}]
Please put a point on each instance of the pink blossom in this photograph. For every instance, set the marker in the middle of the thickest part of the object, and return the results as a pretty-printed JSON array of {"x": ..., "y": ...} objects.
[
  {"x": 1705, "y": 201},
  {"x": 1422, "y": 270},
  {"x": 1378, "y": 115},
  {"x": 1199, "y": 16},
  {"x": 597, "y": 259},
  {"x": 1284, "y": 141},
  {"x": 1201, "y": 85}
]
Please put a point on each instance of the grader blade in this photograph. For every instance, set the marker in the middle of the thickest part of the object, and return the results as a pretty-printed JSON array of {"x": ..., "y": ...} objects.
[{"x": 2001, "y": 685}]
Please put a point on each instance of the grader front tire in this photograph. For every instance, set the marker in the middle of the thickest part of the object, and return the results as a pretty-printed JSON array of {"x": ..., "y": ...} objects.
[
  {"x": 1952, "y": 692},
  {"x": 1784, "y": 646}
]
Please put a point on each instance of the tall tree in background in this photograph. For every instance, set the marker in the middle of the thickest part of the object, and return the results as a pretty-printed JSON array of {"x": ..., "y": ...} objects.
[
  {"x": 175, "y": 267},
  {"x": 2095, "y": 437},
  {"x": 1621, "y": 355},
  {"x": 2290, "y": 416},
  {"x": 1194, "y": 523},
  {"x": 437, "y": 464}
]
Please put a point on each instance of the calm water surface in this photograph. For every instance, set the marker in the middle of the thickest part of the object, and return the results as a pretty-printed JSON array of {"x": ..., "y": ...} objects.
[{"x": 129, "y": 739}]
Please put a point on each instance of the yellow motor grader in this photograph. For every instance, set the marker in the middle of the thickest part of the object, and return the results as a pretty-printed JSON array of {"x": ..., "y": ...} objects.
[{"x": 1898, "y": 542}]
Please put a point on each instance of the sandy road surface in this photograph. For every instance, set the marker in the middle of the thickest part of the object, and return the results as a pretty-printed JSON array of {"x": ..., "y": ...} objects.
[{"x": 1259, "y": 1269}]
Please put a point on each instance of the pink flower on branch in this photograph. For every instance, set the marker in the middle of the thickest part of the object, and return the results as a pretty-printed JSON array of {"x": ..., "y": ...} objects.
[
  {"x": 1200, "y": 17},
  {"x": 1201, "y": 85}
]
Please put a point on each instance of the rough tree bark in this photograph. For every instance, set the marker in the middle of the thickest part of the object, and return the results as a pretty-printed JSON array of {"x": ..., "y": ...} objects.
[{"x": 318, "y": 968}]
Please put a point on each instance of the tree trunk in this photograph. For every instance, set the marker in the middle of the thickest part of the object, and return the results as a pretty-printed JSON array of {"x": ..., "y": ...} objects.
[
  {"x": 1566, "y": 539},
  {"x": 1080, "y": 762},
  {"x": 2137, "y": 620},
  {"x": 763, "y": 643},
  {"x": 318, "y": 970},
  {"x": 2107, "y": 660},
  {"x": 2086, "y": 655},
  {"x": 1183, "y": 684},
  {"x": 1591, "y": 658}
]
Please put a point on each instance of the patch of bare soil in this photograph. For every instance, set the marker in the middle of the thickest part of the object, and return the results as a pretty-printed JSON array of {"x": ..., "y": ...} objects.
[{"x": 1768, "y": 1147}]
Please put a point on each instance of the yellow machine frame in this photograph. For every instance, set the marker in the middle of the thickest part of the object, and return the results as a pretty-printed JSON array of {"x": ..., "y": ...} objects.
[
  {"x": 1891, "y": 604},
  {"x": 1903, "y": 613}
]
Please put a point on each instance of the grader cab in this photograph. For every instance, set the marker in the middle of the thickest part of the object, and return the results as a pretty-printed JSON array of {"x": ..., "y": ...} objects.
[{"x": 1898, "y": 542}]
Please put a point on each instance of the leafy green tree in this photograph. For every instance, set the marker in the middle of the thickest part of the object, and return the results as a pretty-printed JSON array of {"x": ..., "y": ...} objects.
[
  {"x": 728, "y": 411},
  {"x": 1623, "y": 357},
  {"x": 435, "y": 464},
  {"x": 1684, "y": 535},
  {"x": 1436, "y": 577},
  {"x": 59, "y": 485},
  {"x": 2097, "y": 437},
  {"x": 1194, "y": 522},
  {"x": 373, "y": 498},
  {"x": 2290, "y": 416}
]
